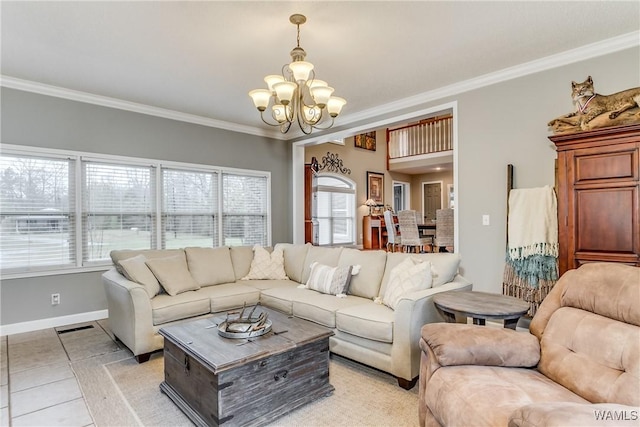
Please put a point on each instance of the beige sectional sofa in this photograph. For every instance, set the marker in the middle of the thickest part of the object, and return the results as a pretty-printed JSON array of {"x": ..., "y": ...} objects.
[{"x": 365, "y": 330}]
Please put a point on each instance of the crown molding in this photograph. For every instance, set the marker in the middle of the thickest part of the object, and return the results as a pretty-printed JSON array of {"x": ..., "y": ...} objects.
[
  {"x": 105, "y": 101},
  {"x": 593, "y": 50},
  {"x": 600, "y": 48}
]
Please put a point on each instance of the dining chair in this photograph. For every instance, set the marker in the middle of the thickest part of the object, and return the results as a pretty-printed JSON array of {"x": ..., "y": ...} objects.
[
  {"x": 419, "y": 217},
  {"x": 444, "y": 229},
  {"x": 409, "y": 233},
  {"x": 393, "y": 239}
]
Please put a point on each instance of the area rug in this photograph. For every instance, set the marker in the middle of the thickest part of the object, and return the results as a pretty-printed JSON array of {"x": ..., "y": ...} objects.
[{"x": 121, "y": 392}]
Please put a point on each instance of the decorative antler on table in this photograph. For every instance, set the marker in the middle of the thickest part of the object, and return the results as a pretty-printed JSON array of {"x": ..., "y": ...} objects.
[{"x": 244, "y": 323}]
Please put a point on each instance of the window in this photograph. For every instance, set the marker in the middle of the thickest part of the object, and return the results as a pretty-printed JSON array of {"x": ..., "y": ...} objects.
[
  {"x": 335, "y": 210},
  {"x": 118, "y": 209},
  {"x": 64, "y": 210},
  {"x": 245, "y": 210},
  {"x": 37, "y": 221},
  {"x": 189, "y": 208}
]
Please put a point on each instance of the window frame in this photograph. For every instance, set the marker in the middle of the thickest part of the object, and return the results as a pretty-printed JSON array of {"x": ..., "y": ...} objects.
[
  {"x": 350, "y": 189},
  {"x": 79, "y": 160},
  {"x": 165, "y": 213},
  {"x": 224, "y": 215},
  {"x": 72, "y": 214}
]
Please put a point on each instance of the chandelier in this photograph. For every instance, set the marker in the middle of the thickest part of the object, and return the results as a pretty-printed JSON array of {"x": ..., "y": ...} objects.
[{"x": 296, "y": 95}]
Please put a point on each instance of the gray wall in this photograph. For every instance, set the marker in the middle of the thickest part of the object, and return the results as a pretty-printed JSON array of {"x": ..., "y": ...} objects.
[
  {"x": 43, "y": 121},
  {"x": 506, "y": 123}
]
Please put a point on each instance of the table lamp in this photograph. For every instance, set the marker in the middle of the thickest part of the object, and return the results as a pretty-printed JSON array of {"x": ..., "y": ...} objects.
[{"x": 371, "y": 203}]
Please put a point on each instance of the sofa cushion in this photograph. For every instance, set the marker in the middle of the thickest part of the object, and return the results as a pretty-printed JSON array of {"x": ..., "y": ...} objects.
[
  {"x": 592, "y": 355},
  {"x": 487, "y": 395},
  {"x": 281, "y": 298},
  {"x": 230, "y": 295},
  {"x": 608, "y": 289},
  {"x": 376, "y": 353},
  {"x": 409, "y": 276},
  {"x": 321, "y": 308},
  {"x": 263, "y": 285},
  {"x": 210, "y": 266},
  {"x": 266, "y": 265},
  {"x": 136, "y": 270},
  {"x": 330, "y": 280},
  {"x": 166, "y": 308},
  {"x": 173, "y": 274},
  {"x": 241, "y": 257},
  {"x": 294, "y": 259},
  {"x": 367, "y": 283},
  {"x": 371, "y": 321},
  {"x": 322, "y": 255},
  {"x": 444, "y": 266},
  {"x": 118, "y": 255}
]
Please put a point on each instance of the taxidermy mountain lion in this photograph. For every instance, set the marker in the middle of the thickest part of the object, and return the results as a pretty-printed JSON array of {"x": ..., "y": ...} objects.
[{"x": 590, "y": 105}]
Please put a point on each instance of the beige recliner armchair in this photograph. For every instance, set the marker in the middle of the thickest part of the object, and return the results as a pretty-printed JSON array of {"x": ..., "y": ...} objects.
[{"x": 578, "y": 366}]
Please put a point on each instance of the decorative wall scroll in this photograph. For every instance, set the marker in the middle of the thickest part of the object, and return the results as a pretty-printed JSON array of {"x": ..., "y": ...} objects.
[{"x": 332, "y": 163}]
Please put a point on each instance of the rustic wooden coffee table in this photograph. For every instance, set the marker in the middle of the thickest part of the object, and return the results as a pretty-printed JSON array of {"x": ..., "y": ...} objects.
[
  {"x": 245, "y": 382},
  {"x": 480, "y": 306}
]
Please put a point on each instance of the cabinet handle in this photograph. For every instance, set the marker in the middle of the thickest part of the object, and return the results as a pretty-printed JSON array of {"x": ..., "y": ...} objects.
[
  {"x": 186, "y": 365},
  {"x": 279, "y": 375}
]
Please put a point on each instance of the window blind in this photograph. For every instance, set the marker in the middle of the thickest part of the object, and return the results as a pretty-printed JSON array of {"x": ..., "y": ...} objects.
[
  {"x": 37, "y": 221},
  {"x": 245, "y": 210},
  {"x": 118, "y": 208},
  {"x": 189, "y": 208}
]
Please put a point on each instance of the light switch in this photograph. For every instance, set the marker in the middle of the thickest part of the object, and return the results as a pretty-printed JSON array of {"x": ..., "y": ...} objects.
[{"x": 486, "y": 220}]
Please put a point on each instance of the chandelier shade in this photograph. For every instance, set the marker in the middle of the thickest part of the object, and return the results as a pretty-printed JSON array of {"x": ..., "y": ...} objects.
[{"x": 296, "y": 95}]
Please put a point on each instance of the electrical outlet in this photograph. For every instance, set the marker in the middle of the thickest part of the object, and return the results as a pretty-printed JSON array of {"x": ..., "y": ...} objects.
[
  {"x": 486, "y": 220},
  {"x": 55, "y": 299}
]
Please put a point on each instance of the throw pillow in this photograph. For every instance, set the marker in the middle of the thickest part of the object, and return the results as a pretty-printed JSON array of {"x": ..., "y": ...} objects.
[
  {"x": 408, "y": 276},
  {"x": 173, "y": 274},
  {"x": 210, "y": 266},
  {"x": 331, "y": 280},
  {"x": 266, "y": 265},
  {"x": 136, "y": 270}
]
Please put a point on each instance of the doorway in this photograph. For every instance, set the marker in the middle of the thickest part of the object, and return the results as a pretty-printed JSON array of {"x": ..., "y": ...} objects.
[
  {"x": 401, "y": 196},
  {"x": 298, "y": 157},
  {"x": 431, "y": 199}
]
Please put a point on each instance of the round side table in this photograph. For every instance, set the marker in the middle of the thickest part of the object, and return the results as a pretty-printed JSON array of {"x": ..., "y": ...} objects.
[{"x": 480, "y": 306}]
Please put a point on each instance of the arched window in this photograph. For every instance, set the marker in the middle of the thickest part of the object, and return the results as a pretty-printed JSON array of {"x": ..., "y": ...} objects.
[{"x": 335, "y": 210}]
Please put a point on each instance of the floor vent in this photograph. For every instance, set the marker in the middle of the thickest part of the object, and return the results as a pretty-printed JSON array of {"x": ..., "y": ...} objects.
[{"x": 80, "y": 328}]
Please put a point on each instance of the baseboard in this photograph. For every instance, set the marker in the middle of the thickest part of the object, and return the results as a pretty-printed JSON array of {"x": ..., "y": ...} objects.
[{"x": 53, "y": 322}]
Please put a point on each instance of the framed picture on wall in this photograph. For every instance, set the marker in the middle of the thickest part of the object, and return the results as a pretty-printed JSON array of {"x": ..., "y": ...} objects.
[
  {"x": 366, "y": 141},
  {"x": 375, "y": 187}
]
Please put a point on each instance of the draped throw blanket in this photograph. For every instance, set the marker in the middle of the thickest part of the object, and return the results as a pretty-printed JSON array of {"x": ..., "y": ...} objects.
[{"x": 532, "y": 245}]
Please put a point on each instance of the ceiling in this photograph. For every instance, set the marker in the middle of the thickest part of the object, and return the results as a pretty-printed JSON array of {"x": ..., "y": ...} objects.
[{"x": 199, "y": 59}]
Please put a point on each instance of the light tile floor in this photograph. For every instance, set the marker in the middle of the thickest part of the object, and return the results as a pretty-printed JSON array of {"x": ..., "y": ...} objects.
[{"x": 37, "y": 385}]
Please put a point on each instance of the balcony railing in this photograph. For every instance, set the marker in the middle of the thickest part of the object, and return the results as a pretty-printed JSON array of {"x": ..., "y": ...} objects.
[{"x": 429, "y": 136}]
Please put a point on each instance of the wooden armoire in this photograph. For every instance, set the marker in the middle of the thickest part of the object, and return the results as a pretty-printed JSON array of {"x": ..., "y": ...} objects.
[{"x": 598, "y": 189}]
